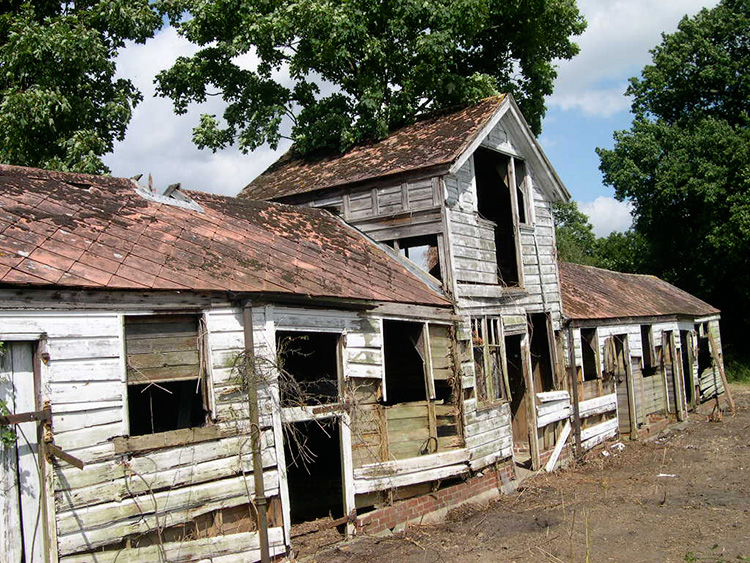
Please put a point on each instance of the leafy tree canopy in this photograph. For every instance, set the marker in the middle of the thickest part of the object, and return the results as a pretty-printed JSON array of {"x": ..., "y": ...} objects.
[
  {"x": 358, "y": 69},
  {"x": 685, "y": 161},
  {"x": 60, "y": 104},
  {"x": 576, "y": 241}
]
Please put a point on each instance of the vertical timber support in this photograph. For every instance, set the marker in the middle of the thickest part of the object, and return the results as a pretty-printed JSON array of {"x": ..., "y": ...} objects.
[
  {"x": 573, "y": 371},
  {"x": 630, "y": 387},
  {"x": 530, "y": 404},
  {"x": 719, "y": 361},
  {"x": 252, "y": 399}
]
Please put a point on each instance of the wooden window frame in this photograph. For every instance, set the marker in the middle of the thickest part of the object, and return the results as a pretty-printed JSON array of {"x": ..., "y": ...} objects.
[
  {"x": 204, "y": 375},
  {"x": 489, "y": 331}
]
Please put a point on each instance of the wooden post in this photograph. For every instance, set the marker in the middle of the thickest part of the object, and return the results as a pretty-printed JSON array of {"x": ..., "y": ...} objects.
[
  {"x": 720, "y": 365},
  {"x": 633, "y": 414},
  {"x": 678, "y": 378},
  {"x": 531, "y": 404},
  {"x": 573, "y": 370},
  {"x": 252, "y": 399}
]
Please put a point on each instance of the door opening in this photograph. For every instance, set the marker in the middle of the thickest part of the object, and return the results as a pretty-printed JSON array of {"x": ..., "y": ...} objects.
[
  {"x": 687, "y": 368},
  {"x": 519, "y": 401},
  {"x": 314, "y": 471}
]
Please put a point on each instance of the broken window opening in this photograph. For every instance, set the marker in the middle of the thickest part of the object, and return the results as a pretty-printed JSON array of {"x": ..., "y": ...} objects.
[
  {"x": 650, "y": 359},
  {"x": 309, "y": 362},
  {"x": 589, "y": 350},
  {"x": 541, "y": 353},
  {"x": 487, "y": 347},
  {"x": 423, "y": 251},
  {"x": 522, "y": 199},
  {"x": 495, "y": 203},
  {"x": 166, "y": 373},
  {"x": 404, "y": 349}
]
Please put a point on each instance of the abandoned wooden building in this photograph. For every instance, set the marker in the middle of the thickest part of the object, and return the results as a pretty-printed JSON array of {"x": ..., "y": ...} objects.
[
  {"x": 644, "y": 349},
  {"x": 467, "y": 196},
  {"x": 390, "y": 320},
  {"x": 123, "y": 316}
]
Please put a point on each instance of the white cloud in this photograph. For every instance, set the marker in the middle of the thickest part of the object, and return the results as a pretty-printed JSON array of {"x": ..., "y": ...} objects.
[
  {"x": 615, "y": 46},
  {"x": 607, "y": 215},
  {"x": 160, "y": 142}
]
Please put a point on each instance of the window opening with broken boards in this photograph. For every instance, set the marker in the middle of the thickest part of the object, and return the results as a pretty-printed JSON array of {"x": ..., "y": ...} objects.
[
  {"x": 166, "y": 373},
  {"x": 489, "y": 367},
  {"x": 308, "y": 367}
]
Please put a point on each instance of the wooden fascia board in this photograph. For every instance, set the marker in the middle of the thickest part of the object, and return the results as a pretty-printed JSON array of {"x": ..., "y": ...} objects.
[{"x": 613, "y": 321}]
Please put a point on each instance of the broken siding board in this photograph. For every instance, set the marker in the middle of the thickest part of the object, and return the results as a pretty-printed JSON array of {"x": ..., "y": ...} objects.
[
  {"x": 245, "y": 545},
  {"x": 362, "y": 486},
  {"x": 89, "y": 528},
  {"x": 598, "y": 405}
]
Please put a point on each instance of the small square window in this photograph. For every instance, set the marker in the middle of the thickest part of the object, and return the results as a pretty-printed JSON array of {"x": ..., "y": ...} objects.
[
  {"x": 423, "y": 251},
  {"x": 166, "y": 373}
]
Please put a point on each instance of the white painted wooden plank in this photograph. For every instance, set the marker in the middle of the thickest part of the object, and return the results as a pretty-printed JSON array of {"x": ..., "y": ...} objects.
[
  {"x": 411, "y": 465},
  {"x": 81, "y": 348},
  {"x": 601, "y": 428},
  {"x": 10, "y": 523},
  {"x": 95, "y": 369},
  {"x": 369, "y": 485},
  {"x": 60, "y": 325},
  {"x": 245, "y": 544},
  {"x": 549, "y": 396},
  {"x": 598, "y": 405},
  {"x": 95, "y": 526},
  {"x": 553, "y": 416},
  {"x": 558, "y": 448},
  {"x": 598, "y": 439},
  {"x": 552, "y": 406}
]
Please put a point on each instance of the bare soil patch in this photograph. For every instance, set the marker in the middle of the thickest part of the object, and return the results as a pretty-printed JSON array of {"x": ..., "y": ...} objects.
[{"x": 684, "y": 497}]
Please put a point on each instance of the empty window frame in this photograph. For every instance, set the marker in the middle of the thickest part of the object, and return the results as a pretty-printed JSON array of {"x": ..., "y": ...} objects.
[
  {"x": 423, "y": 251},
  {"x": 650, "y": 359},
  {"x": 495, "y": 202},
  {"x": 166, "y": 373},
  {"x": 405, "y": 374},
  {"x": 489, "y": 366},
  {"x": 589, "y": 353},
  {"x": 309, "y": 365},
  {"x": 522, "y": 193}
]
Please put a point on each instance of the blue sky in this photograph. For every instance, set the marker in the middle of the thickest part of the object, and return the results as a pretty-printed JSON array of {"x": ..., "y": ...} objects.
[{"x": 587, "y": 106}]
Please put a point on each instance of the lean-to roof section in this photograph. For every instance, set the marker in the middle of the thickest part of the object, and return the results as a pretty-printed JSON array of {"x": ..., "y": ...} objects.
[
  {"x": 595, "y": 293},
  {"x": 76, "y": 230}
]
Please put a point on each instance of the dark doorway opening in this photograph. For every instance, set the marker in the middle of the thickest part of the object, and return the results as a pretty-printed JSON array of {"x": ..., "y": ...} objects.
[
  {"x": 541, "y": 354},
  {"x": 686, "y": 367},
  {"x": 494, "y": 203},
  {"x": 404, "y": 362},
  {"x": 311, "y": 359},
  {"x": 314, "y": 477},
  {"x": 589, "y": 347},
  {"x": 518, "y": 403}
]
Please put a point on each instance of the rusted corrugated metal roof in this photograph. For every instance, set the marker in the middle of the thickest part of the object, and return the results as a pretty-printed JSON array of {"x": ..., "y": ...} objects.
[
  {"x": 594, "y": 293},
  {"x": 76, "y": 230},
  {"x": 431, "y": 142}
]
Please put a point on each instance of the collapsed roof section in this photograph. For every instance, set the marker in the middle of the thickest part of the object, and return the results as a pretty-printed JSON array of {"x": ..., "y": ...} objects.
[
  {"x": 595, "y": 293},
  {"x": 75, "y": 230}
]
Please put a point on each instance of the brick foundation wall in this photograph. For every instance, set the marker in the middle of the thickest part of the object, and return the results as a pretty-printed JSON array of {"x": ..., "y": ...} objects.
[{"x": 433, "y": 506}]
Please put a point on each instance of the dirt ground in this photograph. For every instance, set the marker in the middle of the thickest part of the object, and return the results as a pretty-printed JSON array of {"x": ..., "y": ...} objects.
[{"x": 683, "y": 497}]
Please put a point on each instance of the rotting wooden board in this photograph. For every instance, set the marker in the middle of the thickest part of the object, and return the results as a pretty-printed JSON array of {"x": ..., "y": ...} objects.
[
  {"x": 101, "y": 525},
  {"x": 383, "y": 483},
  {"x": 558, "y": 448},
  {"x": 598, "y": 405},
  {"x": 245, "y": 545},
  {"x": 412, "y": 465},
  {"x": 602, "y": 428},
  {"x": 549, "y": 396}
]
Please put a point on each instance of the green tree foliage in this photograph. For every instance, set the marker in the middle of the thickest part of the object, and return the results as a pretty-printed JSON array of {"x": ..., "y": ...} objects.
[
  {"x": 623, "y": 252},
  {"x": 576, "y": 241},
  {"x": 60, "y": 104},
  {"x": 685, "y": 161},
  {"x": 358, "y": 69}
]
